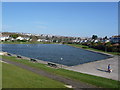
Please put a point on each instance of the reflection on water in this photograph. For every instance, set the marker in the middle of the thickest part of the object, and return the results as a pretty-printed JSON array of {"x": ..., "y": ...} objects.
[{"x": 54, "y": 52}]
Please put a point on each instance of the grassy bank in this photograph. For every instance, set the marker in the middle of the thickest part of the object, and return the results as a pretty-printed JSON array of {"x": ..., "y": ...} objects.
[
  {"x": 90, "y": 79},
  {"x": 15, "y": 77},
  {"x": 87, "y": 48},
  {"x": 0, "y": 75}
]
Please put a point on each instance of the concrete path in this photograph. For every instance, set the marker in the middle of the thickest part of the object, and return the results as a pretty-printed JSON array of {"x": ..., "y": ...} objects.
[
  {"x": 75, "y": 84},
  {"x": 99, "y": 68}
]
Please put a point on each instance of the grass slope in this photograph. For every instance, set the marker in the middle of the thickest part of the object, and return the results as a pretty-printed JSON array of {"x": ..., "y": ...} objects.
[
  {"x": 94, "y": 80},
  {"x": 87, "y": 48},
  {"x": 15, "y": 77},
  {"x": 0, "y": 75}
]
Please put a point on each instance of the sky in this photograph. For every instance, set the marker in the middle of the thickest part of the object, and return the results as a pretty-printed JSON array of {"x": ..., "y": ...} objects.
[
  {"x": 79, "y": 19},
  {"x": 60, "y": 0}
]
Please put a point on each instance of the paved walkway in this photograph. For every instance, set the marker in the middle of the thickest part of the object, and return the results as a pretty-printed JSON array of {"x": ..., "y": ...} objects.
[
  {"x": 75, "y": 84},
  {"x": 99, "y": 68}
]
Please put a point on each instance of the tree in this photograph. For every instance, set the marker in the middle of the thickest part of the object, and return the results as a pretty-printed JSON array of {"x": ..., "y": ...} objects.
[
  {"x": 47, "y": 37},
  {"x": 14, "y": 36},
  {"x": 105, "y": 37},
  {"x": 53, "y": 37},
  {"x": 94, "y": 36}
]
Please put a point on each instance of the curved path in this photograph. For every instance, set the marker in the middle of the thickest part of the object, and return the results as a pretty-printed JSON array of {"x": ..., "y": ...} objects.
[{"x": 75, "y": 84}]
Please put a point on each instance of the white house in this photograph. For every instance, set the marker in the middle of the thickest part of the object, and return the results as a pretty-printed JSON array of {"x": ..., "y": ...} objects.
[
  {"x": 96, "y": 41},
  {"x": 76, "y": 40},
  {"x": 81, "y": 41},
  {"x": 19, "y": 38},
  {"x": 106, "y": 41},
  {"x": 26, "y": 38},
  {"x": 4, "y": 38},
  {"x": 22, "y": 38},
  {"x": 85, "y": 41},
  {"x": 39, "y": 40},
  {"x": 12, "y": 39},
  {"x": 42, "y": 40}
]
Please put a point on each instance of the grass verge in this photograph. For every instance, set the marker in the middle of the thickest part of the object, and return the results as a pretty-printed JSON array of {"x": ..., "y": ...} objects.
[
  {"x": 87, "y": 48},
  {"x": 0, "y": 75},
  {"x": 15, "y": 77},
  {"x": 90, "y": 79}
]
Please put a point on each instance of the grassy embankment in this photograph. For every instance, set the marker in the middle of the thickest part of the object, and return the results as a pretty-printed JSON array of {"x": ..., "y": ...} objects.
[
  {"x": 87, "y": 48},
  {"x": 0, "y": 75},
  {"x": 16, "y": 77},
  {"x": 90, "y": 79}
]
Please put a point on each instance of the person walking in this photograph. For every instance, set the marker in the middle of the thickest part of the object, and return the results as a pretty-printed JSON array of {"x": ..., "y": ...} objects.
[{"x": 109, "y": 68}]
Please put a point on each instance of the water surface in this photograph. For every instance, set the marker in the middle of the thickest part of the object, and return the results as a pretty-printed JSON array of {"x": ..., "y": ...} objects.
[{"x": 54, "y": 52}]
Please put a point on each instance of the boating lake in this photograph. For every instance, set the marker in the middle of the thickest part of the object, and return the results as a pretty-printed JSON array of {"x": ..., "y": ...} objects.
[{"x": 54, "y": 52}]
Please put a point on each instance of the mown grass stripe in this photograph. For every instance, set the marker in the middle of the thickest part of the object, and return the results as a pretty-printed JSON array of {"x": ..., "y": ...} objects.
[{"x": 90, "y": 79}]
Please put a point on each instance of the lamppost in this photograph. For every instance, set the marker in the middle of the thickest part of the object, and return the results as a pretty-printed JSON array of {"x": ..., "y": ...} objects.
[
  {"x": 105, "y": 47},
  {"x": 61, "y": 63}
]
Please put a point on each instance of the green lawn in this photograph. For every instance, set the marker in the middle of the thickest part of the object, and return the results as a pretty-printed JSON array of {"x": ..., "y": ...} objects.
[
  {"x": 94, "y": 80},
  {"x": 15, "y": 77},
  {"x": 87, "y": 48},
  {"x": 0, "y": 75}
]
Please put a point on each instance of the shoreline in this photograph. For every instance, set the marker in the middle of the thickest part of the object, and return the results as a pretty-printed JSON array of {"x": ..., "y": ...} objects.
[
  {"x": 46, "y": 62},
  {"x": 38, "y": 60},
  {"x": 90, "y": 68},
  {"x": 99, "y": 52},
  {"x": 72, "y": 45}
]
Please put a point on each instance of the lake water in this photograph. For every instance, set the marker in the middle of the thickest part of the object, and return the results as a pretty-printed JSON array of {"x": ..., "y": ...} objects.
[{"x": 54, "y": 52}]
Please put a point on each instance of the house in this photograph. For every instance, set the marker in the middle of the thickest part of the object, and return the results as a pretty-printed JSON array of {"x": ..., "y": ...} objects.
[
  {"x": 12, "y": 39},
  {"x": 22, "y": 38},
  {"x": 39, "y": 40},
  {"x": 26, "y": 38},
  {"x": 43, "y": 40},
  {"x": 95, "y": 41},
  {"x": 76, "y": 40},
  {"x": 4, "y": 37},
  {"x": 85, "y": 41},
  {"x": 115, "y": 39},
  {"x": 107, "y": 40}
]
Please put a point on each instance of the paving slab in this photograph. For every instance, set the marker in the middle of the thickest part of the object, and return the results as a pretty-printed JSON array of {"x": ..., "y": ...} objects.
[{"x": 99, "y": 68}]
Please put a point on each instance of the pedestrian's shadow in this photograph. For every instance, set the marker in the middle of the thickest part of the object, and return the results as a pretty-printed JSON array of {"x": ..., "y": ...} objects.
[{"x": 102, "y": 70}]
